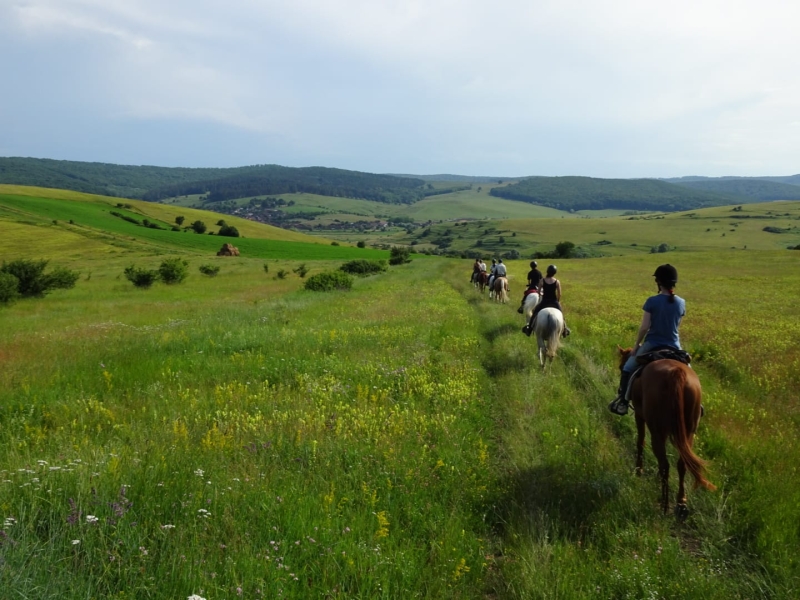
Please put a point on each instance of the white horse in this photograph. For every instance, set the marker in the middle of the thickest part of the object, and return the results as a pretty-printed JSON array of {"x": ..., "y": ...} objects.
[
  {"x": 548, "y": 327},
  {"x": 531, "y": 301}
]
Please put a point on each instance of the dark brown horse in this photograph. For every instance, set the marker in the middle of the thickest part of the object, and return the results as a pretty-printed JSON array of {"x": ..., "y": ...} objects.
[
  {"x": 667, "y": 398},
  {"x": 481, "y": 281}
]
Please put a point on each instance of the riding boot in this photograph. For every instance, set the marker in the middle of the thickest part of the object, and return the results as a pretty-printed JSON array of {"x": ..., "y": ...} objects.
[
  {"x": 566, "y": 331},
  {"x": 619, "y": 406}
]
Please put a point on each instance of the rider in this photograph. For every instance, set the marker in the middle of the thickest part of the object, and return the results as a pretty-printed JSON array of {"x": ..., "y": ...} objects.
[
  {"x": 492, "y": 272},
  {"x": 483, "y": 266},
  {"x": 660, "y": 321},
  {"x": 534, "y": 284},
  {"x": 476, "y": 268},
  {"x": 500, "y": 269},
  {"x": 551, "y": 298}
]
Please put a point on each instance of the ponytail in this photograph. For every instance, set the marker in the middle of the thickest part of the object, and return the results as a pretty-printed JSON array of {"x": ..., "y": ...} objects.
[{"x": 671, "y": 296}]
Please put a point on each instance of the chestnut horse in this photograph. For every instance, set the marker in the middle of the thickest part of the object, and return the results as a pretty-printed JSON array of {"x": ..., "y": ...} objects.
[
  {"x": 499, "y": 290},
  {"x": 666, "y": 397}
]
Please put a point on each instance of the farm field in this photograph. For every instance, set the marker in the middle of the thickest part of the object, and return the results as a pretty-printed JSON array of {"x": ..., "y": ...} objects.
[
  {"x": 241, "y": 437},
  {"x": 44, "y": 215},
  {"x": 718, "y": 228}
]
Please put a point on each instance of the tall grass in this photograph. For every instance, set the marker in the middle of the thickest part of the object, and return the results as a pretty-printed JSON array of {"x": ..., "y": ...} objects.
[
  {"x": 291, "y": 448},
  {"x": 241, "y": 436}
]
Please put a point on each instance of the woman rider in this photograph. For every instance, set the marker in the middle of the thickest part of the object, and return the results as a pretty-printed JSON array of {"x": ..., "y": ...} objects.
[
  {"x": 551, "y": 298},
  {"x": 660, "y": 321},
  {"x": 534, "y": 283}
]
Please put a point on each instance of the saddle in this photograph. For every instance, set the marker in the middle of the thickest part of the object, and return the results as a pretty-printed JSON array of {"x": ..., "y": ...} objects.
[{"x": 665, "y": 352}]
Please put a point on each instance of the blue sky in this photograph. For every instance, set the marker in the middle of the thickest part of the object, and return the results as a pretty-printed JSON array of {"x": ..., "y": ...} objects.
[{"x": 506, "y": 88}]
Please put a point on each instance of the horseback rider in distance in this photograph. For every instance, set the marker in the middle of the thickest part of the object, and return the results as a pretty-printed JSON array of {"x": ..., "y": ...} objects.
[
  {"x": 534, "y": 284},
  {"x": 492, "y": 273},
  {"x": 551, "y": 297},
  {"x": 659, "y": 327}
]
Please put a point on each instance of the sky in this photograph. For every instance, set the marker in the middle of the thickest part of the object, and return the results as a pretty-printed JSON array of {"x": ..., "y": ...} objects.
[{"x": 603, "y": 88}]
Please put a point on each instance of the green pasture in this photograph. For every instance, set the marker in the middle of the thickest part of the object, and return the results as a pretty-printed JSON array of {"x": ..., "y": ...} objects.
[
  {"x": 238, "y": 436},
  {"x": 719, "y": 228},
  {"x": 91, "y": 218}
]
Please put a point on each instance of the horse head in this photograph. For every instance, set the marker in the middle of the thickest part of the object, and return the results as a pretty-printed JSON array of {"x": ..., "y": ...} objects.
[{"x": 624, "y": 355}]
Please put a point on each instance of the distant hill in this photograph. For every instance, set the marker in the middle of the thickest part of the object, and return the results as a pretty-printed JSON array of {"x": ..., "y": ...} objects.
[
  {"x": 460, "y": 178},
  {"x": 157, "y": 183},
  {"x": 749, "y": 189},
  {"x": 789, "y": 179},
  {"x": 586, "y": 193}
]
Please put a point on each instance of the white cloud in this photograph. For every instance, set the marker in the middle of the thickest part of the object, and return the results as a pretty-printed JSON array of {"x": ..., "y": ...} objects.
[{"x": 712, "y": 81}]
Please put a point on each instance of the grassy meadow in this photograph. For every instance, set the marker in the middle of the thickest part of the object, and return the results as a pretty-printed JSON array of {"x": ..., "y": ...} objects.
[{"x": 238, "y": 436}]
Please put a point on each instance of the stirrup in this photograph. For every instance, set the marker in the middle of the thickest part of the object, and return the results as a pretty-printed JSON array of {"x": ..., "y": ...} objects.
[
  {"x": 619, "y": 406},
  {"x": 527, "y": 331},
  {"x": 519, "y": 310}
]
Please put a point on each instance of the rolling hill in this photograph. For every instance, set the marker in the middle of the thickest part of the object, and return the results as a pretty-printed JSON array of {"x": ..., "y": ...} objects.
[{"x": 64, "y": 220}]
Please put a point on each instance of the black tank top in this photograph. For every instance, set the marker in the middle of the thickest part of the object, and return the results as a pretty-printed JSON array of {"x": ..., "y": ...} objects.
[{"x": 549, "y": 291}]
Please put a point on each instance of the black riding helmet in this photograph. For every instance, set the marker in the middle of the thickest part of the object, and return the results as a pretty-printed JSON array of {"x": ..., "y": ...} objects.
[
  {"x": 552, "y": 270},
  {"x": 534, "y": 264},
  {"x": 666, "y": 275}
]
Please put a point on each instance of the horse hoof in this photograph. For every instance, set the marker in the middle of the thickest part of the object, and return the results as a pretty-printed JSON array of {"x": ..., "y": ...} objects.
[
  {"x": 681, "y": 510},
  {"x": 639, "y": 471}
]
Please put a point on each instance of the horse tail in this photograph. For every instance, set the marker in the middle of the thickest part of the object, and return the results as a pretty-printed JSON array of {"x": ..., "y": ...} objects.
[
  {"x": 694, "y": 464},
  {"x": 553, "y": 334}
]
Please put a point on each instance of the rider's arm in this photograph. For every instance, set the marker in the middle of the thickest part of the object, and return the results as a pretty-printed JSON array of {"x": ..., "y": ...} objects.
[
  {"x": 643, "y": 329},
  {"x": 558, "y": 290}
]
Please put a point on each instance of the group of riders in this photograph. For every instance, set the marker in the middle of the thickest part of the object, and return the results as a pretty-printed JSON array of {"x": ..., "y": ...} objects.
[
  {"x": 658, "y": 329},
  {"x": 548, "y": 288}
]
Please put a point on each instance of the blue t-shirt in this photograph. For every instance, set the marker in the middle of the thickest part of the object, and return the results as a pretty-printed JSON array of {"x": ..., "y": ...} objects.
[{"x": 665, "y": 318}]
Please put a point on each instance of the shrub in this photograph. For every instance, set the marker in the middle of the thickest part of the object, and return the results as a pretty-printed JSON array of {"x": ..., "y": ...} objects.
[
  {"x": 281, "y": 274},
  {"x": 139, "y": 277},
  {"x": 334, "y": 243},
  {"x": 511, "y": 254},
  {"x": 180, "y": 220},
  {"x": 564, "y": 249},
  {"x": 34, "y": 282},
  {"x": 266, "y": 268},
  {"x": 173, "y": 270},
  {"x": 209, "y": 270},
  {"x": 302, "y": 270},
  {"x": 363, "y": 267},
  {"x": 9, "y": 288},
  {"x": 361, "y": 244},
  {"x": 399, "y": 256},
  {"x": 221, "y": 223},
  {"x": 198, "y": 227},
  {"x": 329, "y": 281},
  {"x": 228, "y": 231}
]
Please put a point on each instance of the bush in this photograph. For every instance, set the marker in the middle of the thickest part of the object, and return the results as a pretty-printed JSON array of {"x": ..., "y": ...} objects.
[
  {"x": 139, "y": 277},
  {"x": 266, "y": 268},
  {"x": 180, "y": 220},
  {"x": 221, "y": 223},
  {"x": 511, "y": 255},
  {"x": 209, "y": 270},
  {"x": 198, "y": 227},
  {"x": 281, "y": 274},
  {"x": 9, "y": 288},
  {"x": 329, "y": 281},
  {"x": 228, "y": 231},
  {"x": 363, "y": 267},
  {"x": 173, "y": 270},
  {"x": 302, "y": 270},
  {"x": 361, "y": 244},
  {"x": 399, "y": 256},
  {"x": 34, "y": 282}
]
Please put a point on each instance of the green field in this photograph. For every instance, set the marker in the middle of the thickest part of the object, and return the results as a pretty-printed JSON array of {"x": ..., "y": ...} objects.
[
  {"x": 37, "y": 213},
  {"x": 238, "y": 436}
]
